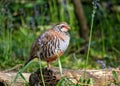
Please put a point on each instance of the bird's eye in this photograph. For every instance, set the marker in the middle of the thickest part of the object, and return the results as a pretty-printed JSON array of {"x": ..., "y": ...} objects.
[{"x": 64, "y": 29}]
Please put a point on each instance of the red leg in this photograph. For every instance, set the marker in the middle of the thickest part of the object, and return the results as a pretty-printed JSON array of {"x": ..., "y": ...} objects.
[{"x": 48, "y": 64}]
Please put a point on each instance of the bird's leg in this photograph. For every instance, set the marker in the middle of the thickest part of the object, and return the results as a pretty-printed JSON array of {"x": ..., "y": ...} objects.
[{"x": 48, "y": 64}]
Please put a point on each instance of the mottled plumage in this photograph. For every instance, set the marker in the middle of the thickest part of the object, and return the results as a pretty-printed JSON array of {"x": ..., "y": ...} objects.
[{"x": 51, "y": 44}]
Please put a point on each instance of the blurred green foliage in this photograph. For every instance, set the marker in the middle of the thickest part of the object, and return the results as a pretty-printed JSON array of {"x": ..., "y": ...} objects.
[{"x": 22, "y": 21}]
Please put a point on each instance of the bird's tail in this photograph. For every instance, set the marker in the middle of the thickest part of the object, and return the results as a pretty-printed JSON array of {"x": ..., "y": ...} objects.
[{"x": 28, "y": 61}]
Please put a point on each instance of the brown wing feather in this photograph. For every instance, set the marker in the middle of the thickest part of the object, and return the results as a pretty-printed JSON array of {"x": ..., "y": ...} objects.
[
  {"x": 41, "y": 40},
  {"x": 34, "y": 49}
]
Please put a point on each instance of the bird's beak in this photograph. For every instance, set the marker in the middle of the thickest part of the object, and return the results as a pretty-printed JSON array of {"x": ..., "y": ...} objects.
[{"x": 67, "y": 26}]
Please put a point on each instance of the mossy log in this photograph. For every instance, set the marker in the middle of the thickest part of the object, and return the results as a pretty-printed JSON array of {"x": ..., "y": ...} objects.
[{"x": 52, "y": 76}]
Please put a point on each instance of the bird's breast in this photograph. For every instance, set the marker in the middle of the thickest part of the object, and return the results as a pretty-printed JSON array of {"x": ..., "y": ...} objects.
[{"x": 64, "y": 43}]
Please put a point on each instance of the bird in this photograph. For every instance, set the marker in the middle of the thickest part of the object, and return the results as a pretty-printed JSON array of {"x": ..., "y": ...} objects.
[{"x": 51, "y": 44}]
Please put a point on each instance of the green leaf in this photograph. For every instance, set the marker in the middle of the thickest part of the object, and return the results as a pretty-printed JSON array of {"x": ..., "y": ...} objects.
[
  {"x": 91, "y": 82},
  {"x": 115, "y": 75}
]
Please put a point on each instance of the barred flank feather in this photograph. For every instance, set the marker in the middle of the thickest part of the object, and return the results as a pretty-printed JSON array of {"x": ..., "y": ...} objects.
[{"x": 51, "y": 44}]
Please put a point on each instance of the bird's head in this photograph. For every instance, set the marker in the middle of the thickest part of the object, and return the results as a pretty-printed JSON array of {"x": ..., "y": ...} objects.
[{"x": 63, "y": 27}]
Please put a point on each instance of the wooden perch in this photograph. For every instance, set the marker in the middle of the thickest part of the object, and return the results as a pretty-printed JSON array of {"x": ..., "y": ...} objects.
[{"x": 52, "y": 76}]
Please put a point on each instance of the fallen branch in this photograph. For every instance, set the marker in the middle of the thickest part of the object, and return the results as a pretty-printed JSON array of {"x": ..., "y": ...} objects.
[{"x": 52, "y": 76}]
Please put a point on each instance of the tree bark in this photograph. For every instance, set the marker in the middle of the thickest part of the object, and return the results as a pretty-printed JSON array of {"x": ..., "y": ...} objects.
[
  {"x": 52, "y": 76},
  {"x": 83, "y": 28}
]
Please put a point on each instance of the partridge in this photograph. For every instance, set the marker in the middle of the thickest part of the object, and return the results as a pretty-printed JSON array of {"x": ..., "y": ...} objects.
[{"x": 51, "y": 44}]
